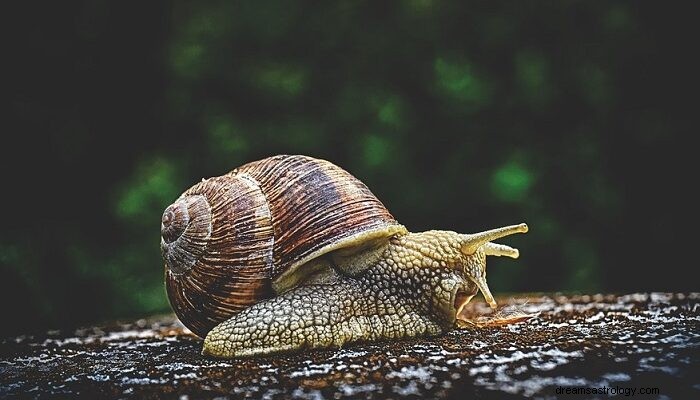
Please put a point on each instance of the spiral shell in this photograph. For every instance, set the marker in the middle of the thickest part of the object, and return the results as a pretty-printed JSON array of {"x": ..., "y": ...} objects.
[{"x": 227, "y": 239}]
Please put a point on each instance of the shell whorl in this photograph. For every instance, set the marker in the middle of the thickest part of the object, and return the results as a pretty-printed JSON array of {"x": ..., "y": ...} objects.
[
  {"x": 226, "y": 262},
  {"x": 185, "y": 231}
]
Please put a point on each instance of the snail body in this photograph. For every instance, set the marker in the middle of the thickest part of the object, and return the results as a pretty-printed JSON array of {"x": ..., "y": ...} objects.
[{"x": 292, "y": 252}]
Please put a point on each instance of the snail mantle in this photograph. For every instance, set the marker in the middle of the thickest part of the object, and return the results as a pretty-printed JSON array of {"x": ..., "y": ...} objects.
[{"x": 644, "y": 340}]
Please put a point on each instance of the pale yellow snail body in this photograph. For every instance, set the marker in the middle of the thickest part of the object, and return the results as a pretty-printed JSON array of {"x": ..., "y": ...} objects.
[{"x": 292, "y": 252}]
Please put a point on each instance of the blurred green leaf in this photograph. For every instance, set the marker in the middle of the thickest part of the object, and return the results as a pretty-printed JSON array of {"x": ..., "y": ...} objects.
[
  {"x": 459, "y": 81},
  {"x": 280, "y": 79},
  {"x": 187, "y": 59},
  {"x": 228, "y": 140},
  {"x": 390, "y": 111},
  {"x": 511, "y": 182}
]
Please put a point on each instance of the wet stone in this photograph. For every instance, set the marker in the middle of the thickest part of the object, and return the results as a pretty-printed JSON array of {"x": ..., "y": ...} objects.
[{"x": 644, "y": 340}]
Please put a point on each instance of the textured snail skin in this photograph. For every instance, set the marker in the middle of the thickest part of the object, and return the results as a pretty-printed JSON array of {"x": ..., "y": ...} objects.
[{"x": 411, "y": 291}]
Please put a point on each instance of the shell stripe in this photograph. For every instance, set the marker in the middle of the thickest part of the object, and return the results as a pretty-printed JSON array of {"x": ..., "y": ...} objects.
[{"x": 314, "y": 205}]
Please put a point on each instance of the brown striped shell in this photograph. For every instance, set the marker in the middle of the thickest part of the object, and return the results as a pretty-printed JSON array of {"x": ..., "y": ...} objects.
[{"x": 228, "y": 239}]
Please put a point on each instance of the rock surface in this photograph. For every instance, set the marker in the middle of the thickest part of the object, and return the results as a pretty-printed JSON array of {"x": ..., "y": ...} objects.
[{"x": 627, "y": 342}]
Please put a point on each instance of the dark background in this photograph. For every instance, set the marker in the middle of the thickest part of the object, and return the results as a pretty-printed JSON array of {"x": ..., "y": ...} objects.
[{"x": 573, "y": 116}]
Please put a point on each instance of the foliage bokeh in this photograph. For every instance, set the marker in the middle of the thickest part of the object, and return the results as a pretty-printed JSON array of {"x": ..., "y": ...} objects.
[{"x": 458, "y": 115}]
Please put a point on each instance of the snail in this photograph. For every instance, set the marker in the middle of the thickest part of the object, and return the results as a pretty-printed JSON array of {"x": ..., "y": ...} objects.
[{"x": 292, "y": 252}]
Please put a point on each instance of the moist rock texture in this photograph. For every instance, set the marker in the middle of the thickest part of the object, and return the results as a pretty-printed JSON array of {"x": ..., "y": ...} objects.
[{"x": 647, "y": 341}]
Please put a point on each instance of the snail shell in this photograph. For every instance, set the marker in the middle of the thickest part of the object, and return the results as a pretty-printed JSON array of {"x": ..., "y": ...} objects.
[{"x": 229, "y": 241}]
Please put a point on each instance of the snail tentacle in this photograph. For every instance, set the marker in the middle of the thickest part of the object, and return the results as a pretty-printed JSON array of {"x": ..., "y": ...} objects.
[{"x": 472, "y": 242}]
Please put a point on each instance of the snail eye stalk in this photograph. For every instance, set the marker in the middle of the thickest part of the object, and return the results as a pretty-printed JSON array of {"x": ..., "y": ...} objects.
[{"x": 472, "y": 242}]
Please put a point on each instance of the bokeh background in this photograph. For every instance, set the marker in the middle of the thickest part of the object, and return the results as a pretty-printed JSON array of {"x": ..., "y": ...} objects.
[{"x": 573, "y": 116}]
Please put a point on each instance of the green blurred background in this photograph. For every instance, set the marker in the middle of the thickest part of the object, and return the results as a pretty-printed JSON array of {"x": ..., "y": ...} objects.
[{"x": 569, "y": 115}]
